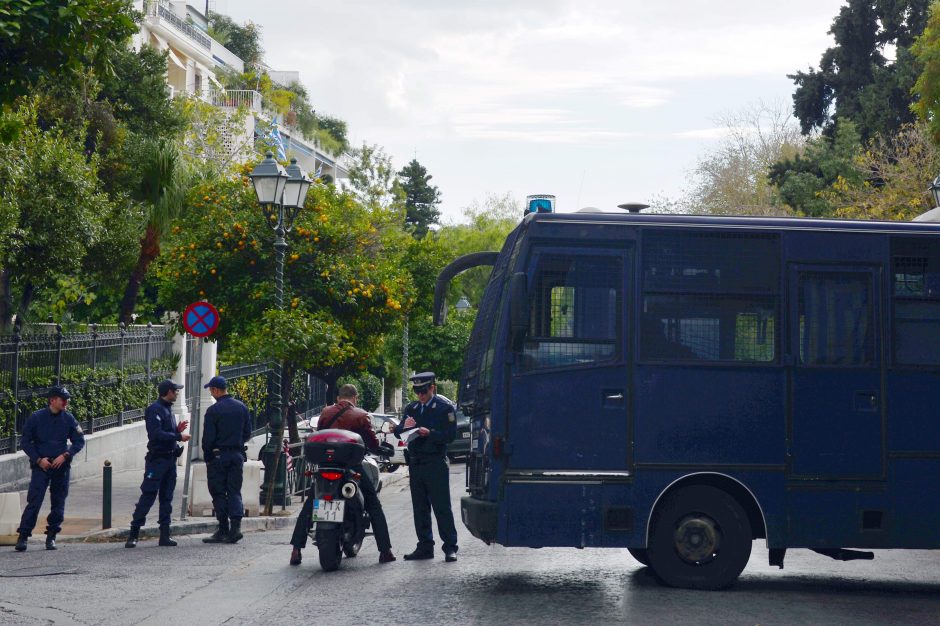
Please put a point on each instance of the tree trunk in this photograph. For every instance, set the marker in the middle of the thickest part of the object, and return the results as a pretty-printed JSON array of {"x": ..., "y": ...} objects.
[
  {"x": 6, "y": 301},
  {"x": 149, "y": 250},
  {"x": 25, "y": 300},
  {"x": 291, "y": 417}
]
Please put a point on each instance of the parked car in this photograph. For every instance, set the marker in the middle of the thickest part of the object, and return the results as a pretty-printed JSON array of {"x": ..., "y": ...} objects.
[
  {"x": 460, "y": 447},
  {"x": 384, "y": 433}
]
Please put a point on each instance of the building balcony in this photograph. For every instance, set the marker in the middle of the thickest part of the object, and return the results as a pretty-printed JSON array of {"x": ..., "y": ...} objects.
[
  {"x": 154, "y": 9},
  {"x": 236, "y": 99}
]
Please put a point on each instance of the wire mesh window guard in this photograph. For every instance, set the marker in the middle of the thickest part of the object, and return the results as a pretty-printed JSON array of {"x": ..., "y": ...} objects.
[
  {"x": 576, "y": 310},
  {"x": 709, "y": 296},
  {"x": 915, "y": 278},
  {"x": 835, "y": 313}
]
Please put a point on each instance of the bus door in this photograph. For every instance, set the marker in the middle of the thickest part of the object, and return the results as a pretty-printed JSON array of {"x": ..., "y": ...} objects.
[
  {"x": 835, "y": 348},
  {"x": 569, "y": 386}
]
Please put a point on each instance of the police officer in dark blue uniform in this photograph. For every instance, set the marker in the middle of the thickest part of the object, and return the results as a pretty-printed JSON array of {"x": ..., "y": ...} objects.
[
  {"x": 429, "y": 425},
  {"x": 163, "y": 433},
  {"x": 44, "y": 441},
  {"x": 227, "y": 429}
]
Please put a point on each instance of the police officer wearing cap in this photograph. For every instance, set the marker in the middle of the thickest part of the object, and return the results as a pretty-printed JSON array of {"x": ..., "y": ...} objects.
[
  {"x": 45, "y": 437},
  {"x": 163, "y": 435},
  {"x": 429, "y": 425},
  {"x": 227, "y": 429}
]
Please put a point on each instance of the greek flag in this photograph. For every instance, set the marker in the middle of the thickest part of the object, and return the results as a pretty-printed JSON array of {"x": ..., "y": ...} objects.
[{"x": 274, "y": 139}]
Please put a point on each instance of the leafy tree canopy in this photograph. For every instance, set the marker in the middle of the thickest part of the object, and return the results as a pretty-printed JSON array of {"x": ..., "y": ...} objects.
[
  {"x": 855, "y": 79},
  {"x": 42, "y": 39},
  {"x": 345, "y": 286},
  {"x": 927, "y": 88}
]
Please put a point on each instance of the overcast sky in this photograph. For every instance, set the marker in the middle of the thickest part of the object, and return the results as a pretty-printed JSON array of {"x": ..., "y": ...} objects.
[{"x": 599, "y": 102}]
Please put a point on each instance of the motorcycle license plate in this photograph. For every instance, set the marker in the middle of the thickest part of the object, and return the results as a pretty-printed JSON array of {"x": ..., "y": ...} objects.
[{"x": 328, "y": 510}]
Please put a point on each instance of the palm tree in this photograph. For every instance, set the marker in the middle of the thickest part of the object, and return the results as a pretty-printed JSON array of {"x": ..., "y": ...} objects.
[{"x": 163, "y": 187}]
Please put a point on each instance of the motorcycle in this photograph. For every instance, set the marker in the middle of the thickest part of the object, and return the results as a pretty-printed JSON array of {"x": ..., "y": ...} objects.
[{"x": 340, "y": 519}]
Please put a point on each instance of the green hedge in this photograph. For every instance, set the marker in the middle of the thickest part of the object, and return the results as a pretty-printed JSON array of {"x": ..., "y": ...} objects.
[{"x": 95, "y": 393}]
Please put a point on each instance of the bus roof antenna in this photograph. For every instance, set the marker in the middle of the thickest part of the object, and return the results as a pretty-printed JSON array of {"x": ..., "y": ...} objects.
[{"x": 633, "y": 207}]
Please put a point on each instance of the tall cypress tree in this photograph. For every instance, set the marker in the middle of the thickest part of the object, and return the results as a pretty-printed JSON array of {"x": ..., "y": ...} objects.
[
  {"x": 421, "y": 198},
  {"x": 855, "y": 79}
]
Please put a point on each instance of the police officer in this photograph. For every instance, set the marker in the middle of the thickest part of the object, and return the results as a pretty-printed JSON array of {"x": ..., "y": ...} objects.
[
  {"x": 44, "y": 442},
  {"x": 163, "y": 433},
  {"x": 227, "y": 429},
  {"x": 429, "y": 425}
]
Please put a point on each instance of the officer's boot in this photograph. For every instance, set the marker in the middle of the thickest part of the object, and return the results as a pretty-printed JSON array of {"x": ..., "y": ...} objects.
[
  {"x": 21, "y": 542},
  {"x": 50, "y": 541},
  {"x": 132, "y": 537},
  {"x": 235, "y": 530},
  {"x": 221, "y": 533},
  {"x": 165, "y": 537}
]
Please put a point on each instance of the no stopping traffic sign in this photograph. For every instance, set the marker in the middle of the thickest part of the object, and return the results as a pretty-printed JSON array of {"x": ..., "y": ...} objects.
[{"x": 200, "y": 319}]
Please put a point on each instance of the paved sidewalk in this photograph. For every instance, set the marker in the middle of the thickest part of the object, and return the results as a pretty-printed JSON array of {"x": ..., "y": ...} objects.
[{"x": 83, "y": 510}]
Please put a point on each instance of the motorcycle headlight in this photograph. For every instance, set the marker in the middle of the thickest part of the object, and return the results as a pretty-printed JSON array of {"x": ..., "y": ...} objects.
[{"x": 349, "y": 490}]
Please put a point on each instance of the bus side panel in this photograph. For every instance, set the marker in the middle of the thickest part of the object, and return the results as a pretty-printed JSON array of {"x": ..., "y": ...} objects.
[
  {"x": 616, "y": 515},
  {"x": 725, "y": 415},
  {"x": 823, "y": 516},
  {"x": 912, "y": 425},
  {"x": 914, "y": 520}
]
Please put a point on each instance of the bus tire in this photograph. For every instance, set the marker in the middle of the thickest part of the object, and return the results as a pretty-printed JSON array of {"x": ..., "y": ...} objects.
[
  {"x": 640, "y": 555},
  {"x": 700, "y": 538}
]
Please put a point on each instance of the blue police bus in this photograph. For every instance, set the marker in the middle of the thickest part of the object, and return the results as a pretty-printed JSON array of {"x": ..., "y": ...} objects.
[{"x": 682, "y": 385}]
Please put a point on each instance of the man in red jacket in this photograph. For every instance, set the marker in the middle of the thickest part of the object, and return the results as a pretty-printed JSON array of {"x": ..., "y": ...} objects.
[{"x": 346, "y": 415}]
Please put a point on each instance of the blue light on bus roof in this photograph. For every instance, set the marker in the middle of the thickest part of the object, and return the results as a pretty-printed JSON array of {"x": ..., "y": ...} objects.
[{"x": 539, "y": 204}]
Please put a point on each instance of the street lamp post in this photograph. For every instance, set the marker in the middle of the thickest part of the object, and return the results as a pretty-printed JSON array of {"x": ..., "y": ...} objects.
[{"x": 281, "y": 194}]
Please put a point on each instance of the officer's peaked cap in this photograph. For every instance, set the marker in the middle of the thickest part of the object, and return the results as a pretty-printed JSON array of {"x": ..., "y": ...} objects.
[{"x": 422, "y": 380}]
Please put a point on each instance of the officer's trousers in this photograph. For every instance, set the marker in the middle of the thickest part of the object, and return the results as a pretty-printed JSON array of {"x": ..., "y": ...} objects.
[
  {"x": 430, "y": 490},
  {"x": 57, "y": 481},
  {"x": 224, "y": 478},
  {"x": 159, "y": 479}
]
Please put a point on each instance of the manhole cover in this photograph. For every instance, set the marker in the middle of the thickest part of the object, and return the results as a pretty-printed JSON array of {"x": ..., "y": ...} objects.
[{"x": 26, "y": 572}]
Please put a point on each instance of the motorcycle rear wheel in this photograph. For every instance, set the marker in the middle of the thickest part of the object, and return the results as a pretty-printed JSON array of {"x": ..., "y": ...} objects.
[
  {"x": 351, "y": 549},
  {"x": 329, "y": 544}
]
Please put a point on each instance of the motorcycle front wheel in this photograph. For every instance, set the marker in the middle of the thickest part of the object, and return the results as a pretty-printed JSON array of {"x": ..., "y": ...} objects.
[{"x": 329, "y": 544}]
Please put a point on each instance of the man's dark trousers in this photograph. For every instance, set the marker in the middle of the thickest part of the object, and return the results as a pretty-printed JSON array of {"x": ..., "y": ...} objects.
[
  {"x": 430, "y": 489},
  {"x": 374, "y": 508},
  {"x": 224, "y": 478},
  {"x": 57, "y": 481},
  {"x": 159, "y": 479}
]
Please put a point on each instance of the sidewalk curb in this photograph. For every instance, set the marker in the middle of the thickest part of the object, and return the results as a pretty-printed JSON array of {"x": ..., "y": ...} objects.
[{"x": 206, "y": 525}]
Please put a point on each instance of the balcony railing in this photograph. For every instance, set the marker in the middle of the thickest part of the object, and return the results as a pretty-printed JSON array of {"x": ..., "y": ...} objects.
[
  {"x": 156, "y": 9},
  {"x": 236, "y": 99}
]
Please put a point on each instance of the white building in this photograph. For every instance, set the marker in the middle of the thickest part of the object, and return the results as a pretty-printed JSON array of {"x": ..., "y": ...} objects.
[{"x": 193, "y": 56}]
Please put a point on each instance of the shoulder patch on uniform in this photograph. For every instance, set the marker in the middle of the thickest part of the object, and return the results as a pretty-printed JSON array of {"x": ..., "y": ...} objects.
[
  {"x": 78, "y": 428},
  {"x": 451, "y": 417}
]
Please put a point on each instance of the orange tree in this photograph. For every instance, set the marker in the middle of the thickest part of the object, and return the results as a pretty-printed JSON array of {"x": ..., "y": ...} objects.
[{"x": 345, "y": 286}]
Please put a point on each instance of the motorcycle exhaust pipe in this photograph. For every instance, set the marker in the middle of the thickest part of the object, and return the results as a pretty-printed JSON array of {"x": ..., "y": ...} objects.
[{"x": 349, "y": 490}]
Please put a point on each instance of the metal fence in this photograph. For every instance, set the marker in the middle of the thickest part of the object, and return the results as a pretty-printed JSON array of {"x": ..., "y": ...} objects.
[
  {"x": 110, "y": 370},
  {"x": 252, "y": 384}
]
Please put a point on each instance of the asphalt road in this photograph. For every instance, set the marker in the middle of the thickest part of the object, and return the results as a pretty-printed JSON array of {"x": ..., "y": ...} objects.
[{"x": 250, "y": 582}]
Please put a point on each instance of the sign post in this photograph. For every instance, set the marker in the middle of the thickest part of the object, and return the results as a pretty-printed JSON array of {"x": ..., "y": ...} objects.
[{"x": 200, "y": 319}]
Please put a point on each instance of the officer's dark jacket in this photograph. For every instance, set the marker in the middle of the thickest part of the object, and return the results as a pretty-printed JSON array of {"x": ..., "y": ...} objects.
[
  {"x": 45, "y": 435},
  {"x": 161, "y": 427},
  {"x": 228, "y": 426},
  {"x": 440, "y": 418}
]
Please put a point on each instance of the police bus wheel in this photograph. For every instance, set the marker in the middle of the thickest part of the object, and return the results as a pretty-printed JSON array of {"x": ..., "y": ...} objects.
[
  {"x": 330, "y": 548},
  {"x": 700, "y": 538},
  {"x": 640, "y": 555}
]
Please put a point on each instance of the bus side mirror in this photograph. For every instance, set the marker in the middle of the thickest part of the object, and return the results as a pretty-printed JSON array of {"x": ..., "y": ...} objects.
[{"x": 518, "y": 309}]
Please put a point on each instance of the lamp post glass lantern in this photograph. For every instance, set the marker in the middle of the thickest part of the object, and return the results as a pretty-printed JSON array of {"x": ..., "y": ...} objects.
[
  {"x": 281, "y": 194},
  {"x": 463, "y": 305},
  {"x": 935, "y": 191}
]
